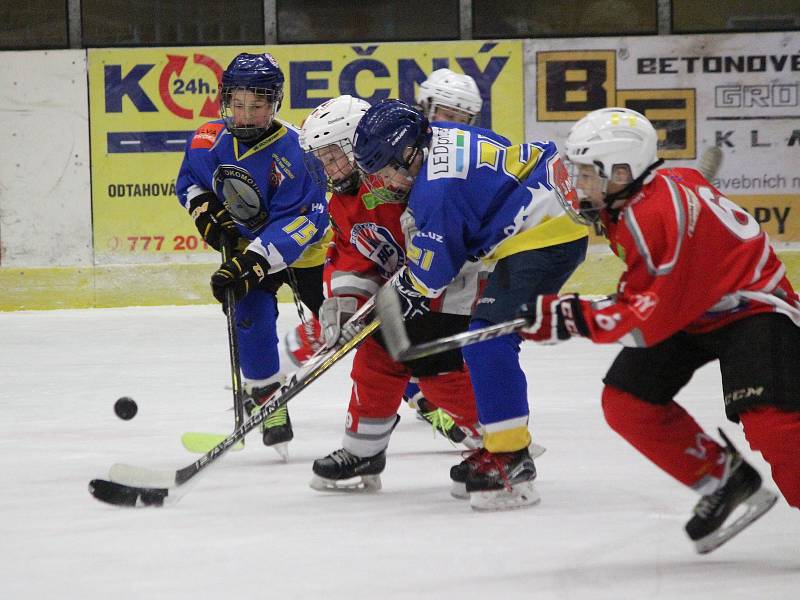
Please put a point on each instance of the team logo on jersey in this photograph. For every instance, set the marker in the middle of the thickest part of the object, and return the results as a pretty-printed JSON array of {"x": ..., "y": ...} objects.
[
  {"x": 275, "y": 176},
  {"x": 241, "y": 195},
  {"x": 378, "y": 196},
  {"x": 449, "y": 154},
  {"x": 643, "y": 305},
  {"x": 378, "y": 245}
]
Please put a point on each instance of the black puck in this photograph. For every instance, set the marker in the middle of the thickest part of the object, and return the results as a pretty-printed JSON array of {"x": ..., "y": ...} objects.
[{"x": 125, "y": 408}]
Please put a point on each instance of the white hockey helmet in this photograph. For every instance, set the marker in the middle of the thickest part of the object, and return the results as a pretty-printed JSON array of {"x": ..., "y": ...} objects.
[
  {"x": 333, "y": 123},
  {"x": 608, "y": 139},
  {"x": 454, "y": 91},
  {"x": 613, "y": 136}
]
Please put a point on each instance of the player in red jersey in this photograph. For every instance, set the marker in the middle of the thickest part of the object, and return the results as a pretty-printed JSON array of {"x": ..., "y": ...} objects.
[
  {"x": 368, "y": 248},
  {"x": 702, "y": 283}
]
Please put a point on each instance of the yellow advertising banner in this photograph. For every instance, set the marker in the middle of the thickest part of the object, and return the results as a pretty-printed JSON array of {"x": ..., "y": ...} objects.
[
  {"x": 777, "y": 215},
  {"x": 146, "y": 102}
]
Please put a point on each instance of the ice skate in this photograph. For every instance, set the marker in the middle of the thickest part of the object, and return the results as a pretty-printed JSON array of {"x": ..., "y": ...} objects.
[
  {"x": 276, "y": 429},
  {"x": 459, "y": 472},
  {"x": 710, "y": 526},
  {"x": 502, "y": 481},
  {"x": 343, "y": 471},
  {"x": 276, "y": 432},
  {"x": 440, "y": 420}
]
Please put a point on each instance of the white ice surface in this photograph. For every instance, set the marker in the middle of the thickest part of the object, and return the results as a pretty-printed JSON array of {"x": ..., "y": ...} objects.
[{"x": 609, "y": 525}]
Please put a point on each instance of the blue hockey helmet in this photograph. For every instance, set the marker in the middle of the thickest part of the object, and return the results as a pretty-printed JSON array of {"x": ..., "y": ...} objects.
[
  {"x": 260, "y": 75},
  {"x": 384, "y": 133}
]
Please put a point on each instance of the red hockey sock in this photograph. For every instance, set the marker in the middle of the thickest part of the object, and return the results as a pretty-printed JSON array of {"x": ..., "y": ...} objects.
[
  {"x": 452, "y": 392},
  {"x": 668, "y": 436},
  {"x": 776, "y": 434},
  {"x": 378, "y": 383}
]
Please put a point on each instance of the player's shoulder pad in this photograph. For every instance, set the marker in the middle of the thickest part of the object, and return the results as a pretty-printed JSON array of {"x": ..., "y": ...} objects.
[{"x": 207, "y": 134}]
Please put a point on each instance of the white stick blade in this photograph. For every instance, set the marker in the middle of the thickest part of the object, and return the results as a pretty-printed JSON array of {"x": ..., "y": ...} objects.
[
  {"x": 140, "y": 476},
  {"x": 393, "y": 326}
]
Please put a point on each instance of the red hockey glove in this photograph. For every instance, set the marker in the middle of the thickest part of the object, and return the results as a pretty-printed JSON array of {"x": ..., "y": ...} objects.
[{"x": 553, "y": 319}]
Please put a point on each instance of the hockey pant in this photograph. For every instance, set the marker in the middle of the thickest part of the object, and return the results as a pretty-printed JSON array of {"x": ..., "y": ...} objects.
[
  {"x": 501, "y": 388},
  {"x": 256, "y": 316},
  {"x": 378, "y": 386},
  {"x": 668, "y": 436}
]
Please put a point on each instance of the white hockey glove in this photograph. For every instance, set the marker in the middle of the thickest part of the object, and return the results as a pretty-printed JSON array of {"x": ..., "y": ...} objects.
[{"x": 334, "y": 313}]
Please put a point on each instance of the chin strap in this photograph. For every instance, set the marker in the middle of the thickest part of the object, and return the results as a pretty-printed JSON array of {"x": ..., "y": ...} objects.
[
  {"x": 349, "y": 185},
  {"x": 628, "y": 191}
]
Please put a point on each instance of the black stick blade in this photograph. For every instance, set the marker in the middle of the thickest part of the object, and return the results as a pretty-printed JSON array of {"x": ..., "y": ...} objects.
[{"x": 126, "y": 495}]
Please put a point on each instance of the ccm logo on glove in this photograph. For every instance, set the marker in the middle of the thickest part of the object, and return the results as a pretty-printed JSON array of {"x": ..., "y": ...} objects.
[{"x": 554, "y": 319}]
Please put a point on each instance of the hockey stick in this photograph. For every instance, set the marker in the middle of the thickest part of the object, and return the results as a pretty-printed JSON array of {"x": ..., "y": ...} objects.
[
  {"x": 136, "y": 486},
  {"x": 399, "y": 345},
  {"x": 201, "y": 442},
  {"x": 709, "y": 163}
]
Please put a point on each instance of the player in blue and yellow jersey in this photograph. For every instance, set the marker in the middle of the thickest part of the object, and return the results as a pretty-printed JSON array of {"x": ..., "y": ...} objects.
[
  {"x": 475, "y": 196},
  {"x": 243, "y": 178}
]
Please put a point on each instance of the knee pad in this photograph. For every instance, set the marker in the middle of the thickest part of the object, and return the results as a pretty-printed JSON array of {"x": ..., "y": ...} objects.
[{"x": 256, "y": 316}]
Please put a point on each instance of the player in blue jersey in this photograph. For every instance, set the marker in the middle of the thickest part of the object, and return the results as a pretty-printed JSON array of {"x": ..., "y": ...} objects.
[
  {"x": 475, "y": 196},
  {"x": 243, "y": 178}
]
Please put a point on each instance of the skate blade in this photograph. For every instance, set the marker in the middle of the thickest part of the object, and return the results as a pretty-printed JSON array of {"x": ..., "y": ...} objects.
[
  {"x": 459, "y": 490},
  {"x": 282, "y": 448},
  {"x": 364, "y": 484},
  {"x": 473, "y": 442},
  {"x": 535, "y": 450},
  {"x": 755, "y": 507},
  {"x": 521, "y": 495}
]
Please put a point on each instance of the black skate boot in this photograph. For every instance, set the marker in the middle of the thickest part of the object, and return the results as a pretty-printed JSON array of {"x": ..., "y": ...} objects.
[
  {"x": 502, "y": 480},
  {"x": 339, "y": 470},
  {"x": 742, "y": 485},
  {"x": 276, "y": 429},
  {"x": 460, "y": 472},
  {"x": 440, "y": 420}
]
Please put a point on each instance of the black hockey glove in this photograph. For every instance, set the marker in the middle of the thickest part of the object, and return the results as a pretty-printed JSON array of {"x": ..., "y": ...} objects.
[
  {"x": 412, "y": 303},
  {"x": 244, "y": 272},
  {"x": 212, "y": 219}
]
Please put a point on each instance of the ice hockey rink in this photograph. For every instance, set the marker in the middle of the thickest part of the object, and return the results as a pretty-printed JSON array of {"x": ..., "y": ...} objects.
[{"x": 610, "y": 524}]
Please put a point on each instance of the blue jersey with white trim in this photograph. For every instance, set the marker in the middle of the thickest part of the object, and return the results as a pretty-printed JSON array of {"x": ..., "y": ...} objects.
[
  {"x": 475, "y": 192},
  {"x": 265, "y": 187}
]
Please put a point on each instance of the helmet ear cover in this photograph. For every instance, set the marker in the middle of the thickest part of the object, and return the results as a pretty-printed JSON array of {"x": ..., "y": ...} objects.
[
  {"x": 626, "y": 192},
  {"x": 406, "y": 163}
]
